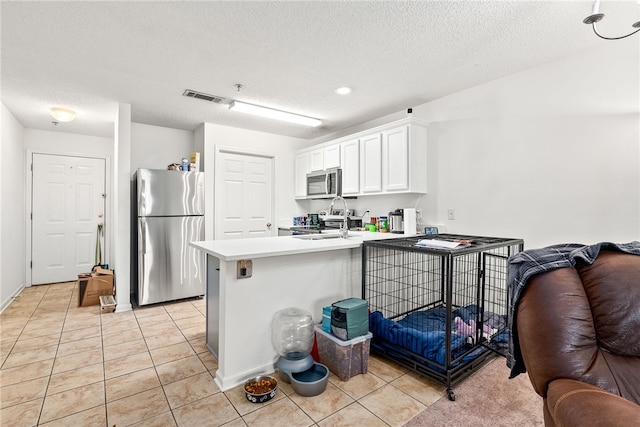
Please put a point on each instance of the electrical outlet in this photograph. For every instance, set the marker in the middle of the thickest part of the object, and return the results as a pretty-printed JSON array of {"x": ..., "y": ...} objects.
[
  {"x": 451, "y": 215},
  {"x": 244, "y": 268}
]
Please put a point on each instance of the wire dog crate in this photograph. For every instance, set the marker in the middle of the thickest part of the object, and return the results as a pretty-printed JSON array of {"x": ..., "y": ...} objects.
[{"x": 440, "y": 312}]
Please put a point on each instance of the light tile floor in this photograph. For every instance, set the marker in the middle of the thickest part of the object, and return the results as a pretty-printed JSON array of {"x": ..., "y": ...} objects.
[{"x": 63, "y": 365}]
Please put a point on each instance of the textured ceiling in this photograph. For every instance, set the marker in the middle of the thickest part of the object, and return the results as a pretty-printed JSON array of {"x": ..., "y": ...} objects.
[{"x": 90, "y": 56}]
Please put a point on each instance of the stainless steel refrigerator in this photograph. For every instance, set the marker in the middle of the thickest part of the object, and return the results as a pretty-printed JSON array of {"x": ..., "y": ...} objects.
[{"x": 170, "y": 214}]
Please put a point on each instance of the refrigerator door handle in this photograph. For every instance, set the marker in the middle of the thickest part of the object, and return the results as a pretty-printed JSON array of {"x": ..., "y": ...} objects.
[{"x": 143, "y": 232}]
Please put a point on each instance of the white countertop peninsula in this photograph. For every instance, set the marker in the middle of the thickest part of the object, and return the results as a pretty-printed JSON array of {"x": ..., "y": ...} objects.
[
  {"x": 236, "y": 249},
  {"x": 286, "y": 272}
]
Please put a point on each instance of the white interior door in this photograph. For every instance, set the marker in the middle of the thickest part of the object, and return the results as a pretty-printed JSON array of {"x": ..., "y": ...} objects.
[
  {"x": 244, "y": 196},
  {"x": 67, "y": 204}
]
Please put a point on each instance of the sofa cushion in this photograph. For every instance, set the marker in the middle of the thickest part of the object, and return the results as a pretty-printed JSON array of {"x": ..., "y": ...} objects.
[
  {"x": 574, "y": 403},
  {"x": 612, "y": 285},
  {"x": 556, "y": 316}
]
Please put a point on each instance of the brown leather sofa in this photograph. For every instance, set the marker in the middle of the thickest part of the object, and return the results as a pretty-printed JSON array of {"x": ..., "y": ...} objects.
[{"x": 579, "y": 335}]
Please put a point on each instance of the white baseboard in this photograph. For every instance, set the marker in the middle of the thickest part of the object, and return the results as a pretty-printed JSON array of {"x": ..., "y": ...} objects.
[{"x": 9, "y": 300}]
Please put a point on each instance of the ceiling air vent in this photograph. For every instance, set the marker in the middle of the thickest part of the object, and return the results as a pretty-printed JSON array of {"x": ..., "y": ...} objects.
[{"x": 204, "y": 96}]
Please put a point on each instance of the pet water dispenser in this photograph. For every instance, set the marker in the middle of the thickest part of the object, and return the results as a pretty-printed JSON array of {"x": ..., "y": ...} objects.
[{"x": 292, "y": 336}]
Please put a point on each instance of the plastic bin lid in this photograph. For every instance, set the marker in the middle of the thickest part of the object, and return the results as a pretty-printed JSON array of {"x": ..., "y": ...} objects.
[
  {"x": 341, "y": 342},
  {"x": 350, "y": 303}
]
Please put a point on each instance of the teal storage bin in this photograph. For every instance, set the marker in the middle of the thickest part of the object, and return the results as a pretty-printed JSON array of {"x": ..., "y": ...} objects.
[{"x": 350, "y": 318}]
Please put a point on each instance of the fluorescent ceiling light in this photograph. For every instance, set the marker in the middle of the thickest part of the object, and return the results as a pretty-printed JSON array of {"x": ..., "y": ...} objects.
[
  {"x": 63, "y": 114},
  {"x": 274, "y": 114},
  {"x": 343, "y": 90}
]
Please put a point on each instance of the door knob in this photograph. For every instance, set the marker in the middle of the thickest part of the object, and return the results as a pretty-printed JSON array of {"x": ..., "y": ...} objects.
[{"x": 268, "y": 225}]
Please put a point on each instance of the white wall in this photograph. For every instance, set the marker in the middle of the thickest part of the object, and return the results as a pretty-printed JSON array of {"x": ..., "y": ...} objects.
[
  {"x": 156, "y": 147},
  {"x": 12, "y": 209},
  {"x": 44, "y": 141},
  {"x": 121, "y": 206},
  {"x": 550, "y": 155}
]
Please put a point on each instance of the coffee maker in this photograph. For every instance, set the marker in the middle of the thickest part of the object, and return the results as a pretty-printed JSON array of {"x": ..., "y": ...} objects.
[{"x": 396, "y": 221}]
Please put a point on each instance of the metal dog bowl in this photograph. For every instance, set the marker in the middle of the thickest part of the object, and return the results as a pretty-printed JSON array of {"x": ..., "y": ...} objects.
[{"x": 261, "y": 388}]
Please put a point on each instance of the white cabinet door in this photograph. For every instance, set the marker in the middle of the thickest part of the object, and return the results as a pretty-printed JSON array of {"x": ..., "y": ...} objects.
[
  {"x": 350, "y": 167},
  {"x": 301, "y": 168},
  {"x": 332, "y": 156},
  {"x": 395, "y": 159},
  {"x": 316, "y": 160},
  {"x": 371, "y": 163}
]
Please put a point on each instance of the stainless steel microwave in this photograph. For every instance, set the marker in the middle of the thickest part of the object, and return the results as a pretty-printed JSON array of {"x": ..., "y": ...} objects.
[{"x": 324, "y": 184}]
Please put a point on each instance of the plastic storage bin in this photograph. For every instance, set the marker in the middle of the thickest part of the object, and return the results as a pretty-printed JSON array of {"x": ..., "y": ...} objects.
[{"x": 344, "y": 358}]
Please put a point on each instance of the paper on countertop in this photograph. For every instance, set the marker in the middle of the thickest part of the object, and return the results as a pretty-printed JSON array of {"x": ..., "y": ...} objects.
[{"x": 435, "y": 243}]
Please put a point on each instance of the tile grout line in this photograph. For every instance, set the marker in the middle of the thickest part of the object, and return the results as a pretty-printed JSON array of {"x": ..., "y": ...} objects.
[
  {"x": 25, "y": 324},
  {"x": 104, "y": 372},
  {"x": 144, "y": 338},
  {"x": 154, "y": 366},
  {"x": 66, "y": 317},
  {"x": 55, "y": 356},
  {"x": 207, "y": 369}
]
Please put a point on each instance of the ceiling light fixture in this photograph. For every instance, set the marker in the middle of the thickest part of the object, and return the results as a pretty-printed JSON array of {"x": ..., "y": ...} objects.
[
  {"x": 344, "y": 90},
  {"x": 62, "y": 114},
  {"x": 596, "y": 16},
  {"x": 274, "y": 114}
]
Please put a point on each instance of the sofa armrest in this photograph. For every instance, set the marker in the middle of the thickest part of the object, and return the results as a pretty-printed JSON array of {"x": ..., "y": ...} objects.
[{"x": 575, "y": 403}]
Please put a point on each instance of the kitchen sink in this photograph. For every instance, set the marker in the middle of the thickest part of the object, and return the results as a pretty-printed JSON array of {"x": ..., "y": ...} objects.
[{"x": 317, "y": 236}]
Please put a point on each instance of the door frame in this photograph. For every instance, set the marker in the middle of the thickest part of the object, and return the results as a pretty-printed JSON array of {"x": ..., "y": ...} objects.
[
  {"x": 216, "y": 179},
  {"x": 28, "y": 203}
]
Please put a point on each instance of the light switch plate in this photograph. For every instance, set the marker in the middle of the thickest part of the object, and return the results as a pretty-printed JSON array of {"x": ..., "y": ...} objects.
[{"x": 244, "y": 268}]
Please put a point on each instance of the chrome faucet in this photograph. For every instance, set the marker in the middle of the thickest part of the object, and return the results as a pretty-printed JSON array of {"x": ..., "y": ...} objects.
[{"x": 344, "y": 230}]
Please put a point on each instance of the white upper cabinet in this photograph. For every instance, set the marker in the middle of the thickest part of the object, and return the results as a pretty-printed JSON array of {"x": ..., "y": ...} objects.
[
  {"x": 350, "y": 151},
  {"x": 316, "y": 160},
  {"x": 332, "y": 156},
  {"x": 387, "y": 159},
  {"x": 371, "y": 163},
  {"x": 301, "y": 169},
  {"x": 324, "y": 158},
  {"x": 416, "y": 158},
  {"x": 395, "y": 152}
]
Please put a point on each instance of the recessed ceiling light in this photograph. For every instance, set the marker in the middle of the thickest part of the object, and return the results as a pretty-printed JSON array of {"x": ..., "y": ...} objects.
[{"x": 343, "y": 90}]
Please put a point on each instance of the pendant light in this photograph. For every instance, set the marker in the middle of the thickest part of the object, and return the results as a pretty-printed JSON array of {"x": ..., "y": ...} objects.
[{"x": 596, "y": 17}]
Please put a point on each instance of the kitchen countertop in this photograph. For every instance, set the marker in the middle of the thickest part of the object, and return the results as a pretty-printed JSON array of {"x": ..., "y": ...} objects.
[{"x": 262, "y": 247}]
